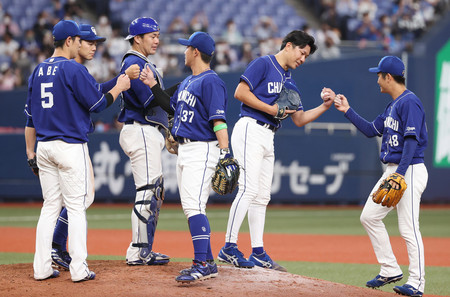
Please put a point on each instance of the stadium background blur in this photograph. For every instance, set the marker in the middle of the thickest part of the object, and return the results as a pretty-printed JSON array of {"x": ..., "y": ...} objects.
[
  {"x": 351, "y": 34},
  {"x": 243, "y": 29}
]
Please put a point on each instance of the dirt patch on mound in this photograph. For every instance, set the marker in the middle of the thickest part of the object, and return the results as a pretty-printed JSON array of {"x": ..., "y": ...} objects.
[{"x": 115, "y": 278}]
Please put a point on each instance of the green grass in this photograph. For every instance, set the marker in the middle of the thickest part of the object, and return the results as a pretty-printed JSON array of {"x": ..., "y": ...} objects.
[
  {"x": 302, "y": 220},
  {"x": 296, "y": 220}
]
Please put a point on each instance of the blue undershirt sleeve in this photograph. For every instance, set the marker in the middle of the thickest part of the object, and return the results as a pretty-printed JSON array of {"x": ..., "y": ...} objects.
[
  {"x": 362, "y": 124},
  {"x": 409, "y": 149},
  {"x": 107, "y": 86}
]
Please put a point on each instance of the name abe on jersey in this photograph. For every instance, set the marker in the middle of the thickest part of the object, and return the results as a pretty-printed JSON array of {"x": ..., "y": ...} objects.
[
  {"x": 274, "y": 87},
  {"x": 51, "y": 70},
  {"x": 392, "y": 123},
  {"x": 187, "y": 97}
]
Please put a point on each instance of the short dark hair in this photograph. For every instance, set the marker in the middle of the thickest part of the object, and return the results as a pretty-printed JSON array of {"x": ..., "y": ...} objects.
[
  {"x": 300, "y": 38},
  {"x": 398, "y": 78},
  {"x": 205, "y": 58}
]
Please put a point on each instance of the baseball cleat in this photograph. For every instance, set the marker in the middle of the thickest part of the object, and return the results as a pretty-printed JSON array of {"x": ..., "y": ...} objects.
[
  {"x": 263, "y": 260},
  {"x": 380, "y": 281},
  {"x": 235, "y": 257},
  {"x": 198, "y": 271},
  {"x": 212, "y": 269},
  {"x": 54, "y": 274},
  {"x": 152, "y": 259},
  {"x": 408, "y": 290},
  {"x": 61, "y": 258},
  {"x": 90, "y": 276}
]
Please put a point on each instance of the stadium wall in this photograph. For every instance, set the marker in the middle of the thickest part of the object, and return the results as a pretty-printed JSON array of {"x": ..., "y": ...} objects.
[{"x": 326, "y": 162}]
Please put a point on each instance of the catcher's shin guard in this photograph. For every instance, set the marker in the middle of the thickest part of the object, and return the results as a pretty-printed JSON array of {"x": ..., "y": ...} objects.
[{"x": 148, "y": 215}]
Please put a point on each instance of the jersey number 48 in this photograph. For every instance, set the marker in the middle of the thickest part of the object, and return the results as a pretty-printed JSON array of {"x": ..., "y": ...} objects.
[{"x": 393, "y": 140}]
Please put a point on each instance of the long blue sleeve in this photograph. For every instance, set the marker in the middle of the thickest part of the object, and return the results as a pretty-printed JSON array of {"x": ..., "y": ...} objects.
[
  {"x": 367, "y": 128},
  {"x": 409, "y": 148},
  {"x": 107, "y": 86}
]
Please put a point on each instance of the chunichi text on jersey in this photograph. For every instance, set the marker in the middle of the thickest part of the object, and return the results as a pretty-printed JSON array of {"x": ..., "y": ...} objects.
[
  {"x": 391, "y": 123},
  {"x": 188, "y": 98}
]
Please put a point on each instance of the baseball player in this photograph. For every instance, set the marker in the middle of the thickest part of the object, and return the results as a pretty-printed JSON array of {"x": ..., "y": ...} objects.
[
  {"x": 88, "y": 47},
  {"x": 201, "y": 130},
  {"x": 142, "y": 142},
  {"x": 61, "y": 95},
  {"x": 403, "y": 128},
  {"x": 252, "y": 141}
]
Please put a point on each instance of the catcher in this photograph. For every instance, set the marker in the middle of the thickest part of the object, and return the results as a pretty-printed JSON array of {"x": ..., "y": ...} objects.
[{"x": 402, "y": 126}]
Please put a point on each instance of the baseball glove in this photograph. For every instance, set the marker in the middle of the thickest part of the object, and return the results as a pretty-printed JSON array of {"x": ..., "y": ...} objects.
[
  {"x": 33, "y": 165},
  {"x": 171, "y": 143},
  {"x": 389, "y": 195},
  {"x": 226, "y": 177},
  {"x": 289, "y": 98}
]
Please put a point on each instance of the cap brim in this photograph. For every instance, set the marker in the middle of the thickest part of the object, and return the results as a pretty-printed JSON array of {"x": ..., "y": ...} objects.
[
  {"x": 84, "y": 34},
  {"x": 96, "y": 38},
  {"x": 184, "y": 41},
  {"x": 374, "y": 70}
]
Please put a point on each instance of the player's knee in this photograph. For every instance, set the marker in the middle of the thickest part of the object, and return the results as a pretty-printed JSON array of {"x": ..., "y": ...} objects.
[
  {"x": 364, "y": 219},
  {"x": 190, "y": 212}
]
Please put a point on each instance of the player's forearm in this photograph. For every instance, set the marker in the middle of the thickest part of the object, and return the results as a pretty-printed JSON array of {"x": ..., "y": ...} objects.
[
  {"x": 362, "y": 124},
  {"x": 161, "y": 99},
  {"x": 301, "y": 118},
  {"x": 221, "y": 133},
  {"x": 30, "y": 142},
  {"x": 244, "y": 95}
]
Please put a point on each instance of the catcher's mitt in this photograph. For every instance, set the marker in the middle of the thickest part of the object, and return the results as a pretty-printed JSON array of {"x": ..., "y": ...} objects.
[
  {"x": 33, "y": 165},
  {"x": 226, "y": 177},
  {"x": 389, "y": 195},
  {"x": 289, "y": 98}
]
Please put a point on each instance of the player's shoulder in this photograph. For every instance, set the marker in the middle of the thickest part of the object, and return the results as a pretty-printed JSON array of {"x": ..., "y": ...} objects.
[
  {"x": 261, "y": 60},
  {"x": 134, "y": 57},
  {"x": 211, "y": 77},
  {"x": 410, "y": 97}
]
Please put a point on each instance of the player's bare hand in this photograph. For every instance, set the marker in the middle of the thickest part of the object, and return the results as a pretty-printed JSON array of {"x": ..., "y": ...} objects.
[
  {"x": 341, "y": 103},
  {"x": 147, "y": 76},
  {"x": 327, "y": 96},
  {"x": 123, "y": 82},
  {"x": 133, "y": 71}
]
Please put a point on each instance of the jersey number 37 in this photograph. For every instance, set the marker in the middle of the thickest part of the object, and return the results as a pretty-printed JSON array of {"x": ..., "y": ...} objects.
[{"x": 187, "y": 116}]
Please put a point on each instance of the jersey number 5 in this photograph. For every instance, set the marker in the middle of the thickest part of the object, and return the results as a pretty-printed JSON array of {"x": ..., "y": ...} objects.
[{"x": 47, "y": 97}]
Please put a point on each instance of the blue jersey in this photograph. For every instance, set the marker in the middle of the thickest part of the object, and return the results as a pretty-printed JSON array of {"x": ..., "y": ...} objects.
[
  {"x": 198, "y": 101},
  {"x": 265, "y": 77},
  {"x": 403, "y": 117},
  {"x": 61, "y": 95},
  {"x": 139, "y": 95}
]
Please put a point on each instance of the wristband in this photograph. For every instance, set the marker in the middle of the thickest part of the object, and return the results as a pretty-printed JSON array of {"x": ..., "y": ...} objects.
[{"x": 220, "y": 127}]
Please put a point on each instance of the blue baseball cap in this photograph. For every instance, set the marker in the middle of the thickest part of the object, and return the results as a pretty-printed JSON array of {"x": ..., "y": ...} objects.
[
  {"x": 91, "y": 33},
  {"x": 390, "y": 64},
  {"x": 201, "y": 41},
  {"x": 67, "y": 28},
  {"x": 140, "y": 26}
]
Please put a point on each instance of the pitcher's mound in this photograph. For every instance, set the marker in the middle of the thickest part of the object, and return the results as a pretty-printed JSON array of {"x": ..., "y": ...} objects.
[{"x": 115, "y": 278}]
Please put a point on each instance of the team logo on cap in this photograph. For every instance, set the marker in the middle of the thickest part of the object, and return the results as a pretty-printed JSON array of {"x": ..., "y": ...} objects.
[
  {"x": 152, "y": 27},
  {"x": 93, "y": 30}
]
